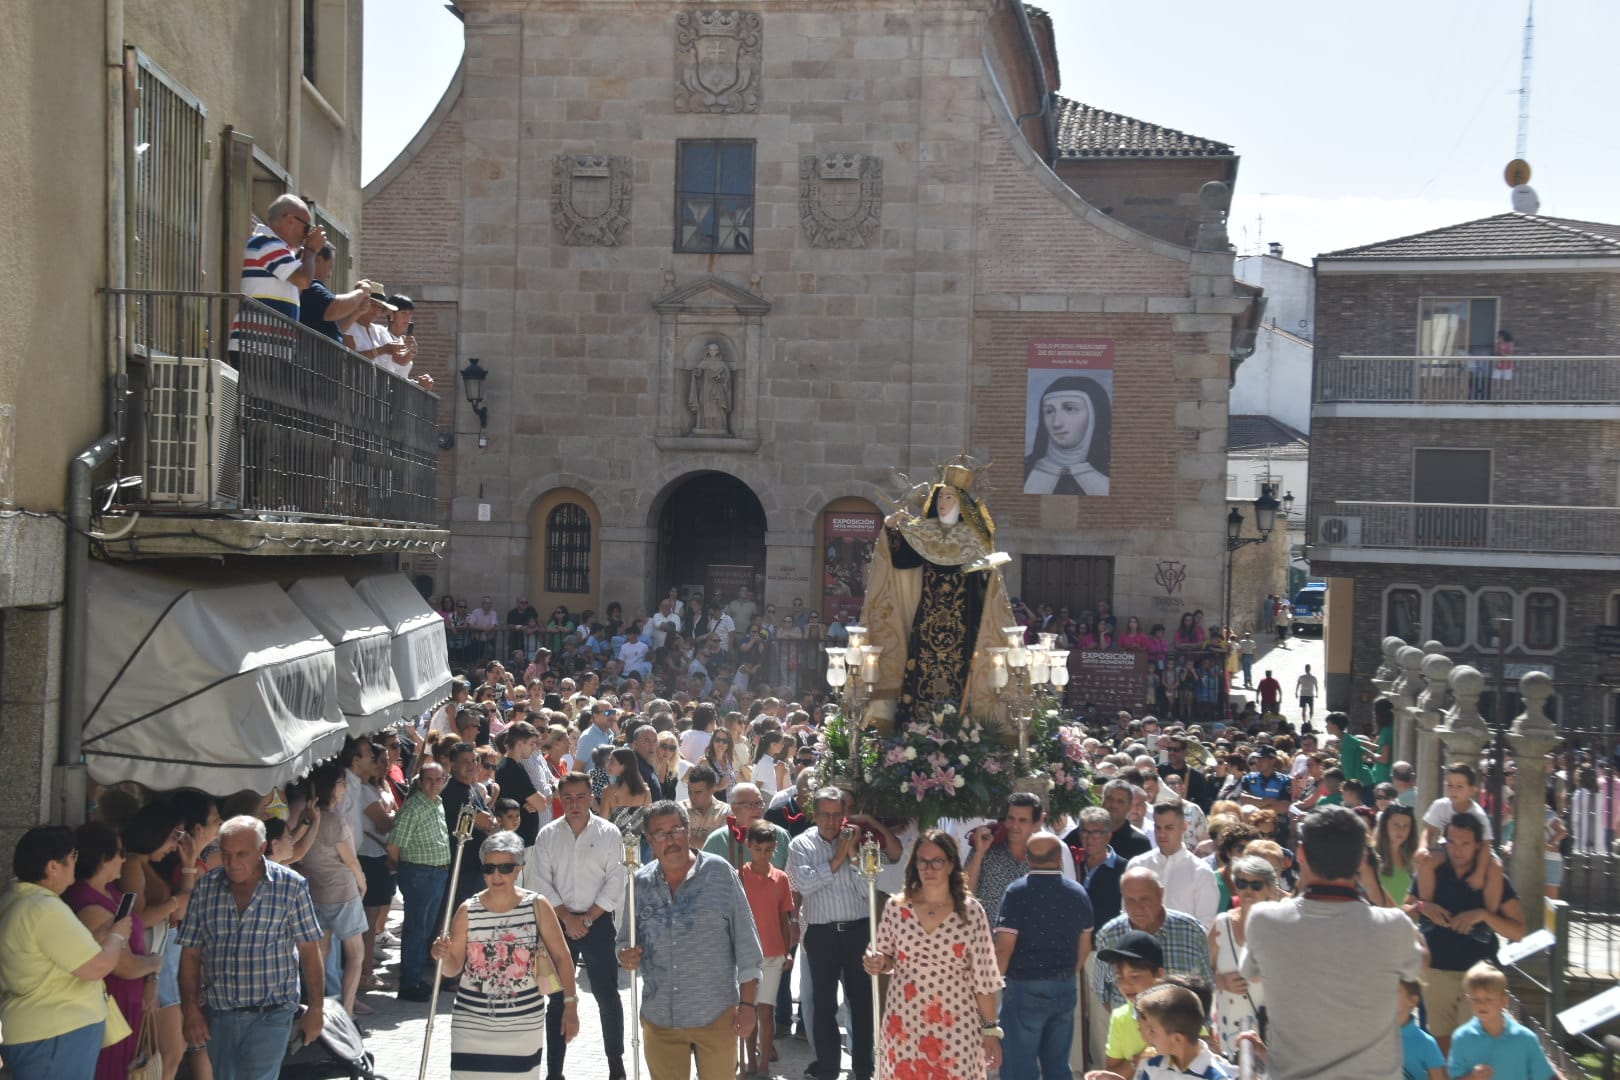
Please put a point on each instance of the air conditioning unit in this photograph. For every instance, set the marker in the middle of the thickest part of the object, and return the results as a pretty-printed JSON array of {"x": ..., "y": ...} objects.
[
  {"x": 1338, "y": 529},
  {"x": 193, "y": 448}
]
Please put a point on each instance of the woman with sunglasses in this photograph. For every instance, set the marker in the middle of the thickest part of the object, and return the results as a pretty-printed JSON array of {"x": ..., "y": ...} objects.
[
  {"x": 719, "y": 757},
  {"x": 934, "y": 940},
  {"x": 1239, "y": 1003},
  {"x": 507, "y": 946}
]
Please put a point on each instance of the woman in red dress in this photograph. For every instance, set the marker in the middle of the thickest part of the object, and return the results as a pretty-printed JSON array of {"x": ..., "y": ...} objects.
[{"x": 934, "y": 940}]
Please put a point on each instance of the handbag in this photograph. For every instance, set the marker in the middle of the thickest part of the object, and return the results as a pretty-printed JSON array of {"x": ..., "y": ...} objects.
[
  {"x": 1259, "y": 1011},
  {"x": 147, "y": 1063},
  {"x": 545, "y": 975}
]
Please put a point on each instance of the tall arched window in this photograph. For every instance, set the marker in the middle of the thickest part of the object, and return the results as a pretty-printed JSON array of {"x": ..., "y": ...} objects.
[{"x": 568, "y": 549}]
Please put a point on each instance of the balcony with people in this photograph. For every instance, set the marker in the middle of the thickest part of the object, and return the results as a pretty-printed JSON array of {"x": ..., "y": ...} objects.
[{"x": 262, "y": 434}]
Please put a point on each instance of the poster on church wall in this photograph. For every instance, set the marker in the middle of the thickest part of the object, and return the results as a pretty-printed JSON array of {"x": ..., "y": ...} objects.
[
  {"x": 1068, "y": 422},
  {"x": 848, "y": 536}
]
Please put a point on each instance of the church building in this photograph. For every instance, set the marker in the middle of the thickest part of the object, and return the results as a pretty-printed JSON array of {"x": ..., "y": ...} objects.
[{"x": 739, "y": 275}]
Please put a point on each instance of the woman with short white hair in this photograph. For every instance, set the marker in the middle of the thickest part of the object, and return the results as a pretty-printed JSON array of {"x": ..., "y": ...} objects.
[
  {"x": 507, "y": 946},
  {"x": 1240, "y": 1003}
]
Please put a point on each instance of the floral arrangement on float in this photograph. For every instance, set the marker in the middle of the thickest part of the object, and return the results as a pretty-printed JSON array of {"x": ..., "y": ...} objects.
[{"x": 949, "y": 764}]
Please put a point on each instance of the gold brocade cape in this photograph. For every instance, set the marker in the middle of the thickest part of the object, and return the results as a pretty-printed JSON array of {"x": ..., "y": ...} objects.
[{"x": 890, "y": 608}]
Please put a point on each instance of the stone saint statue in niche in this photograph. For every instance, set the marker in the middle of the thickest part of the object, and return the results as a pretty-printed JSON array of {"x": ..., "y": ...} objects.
[{"x": 708, "y": 395}]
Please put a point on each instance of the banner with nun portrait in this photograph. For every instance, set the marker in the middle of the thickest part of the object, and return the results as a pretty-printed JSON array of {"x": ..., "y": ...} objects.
[{"x": 1069, "y": 410}]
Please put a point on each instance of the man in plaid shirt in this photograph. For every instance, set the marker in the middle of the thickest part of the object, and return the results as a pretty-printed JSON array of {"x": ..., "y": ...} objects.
[
  {"x": 1184, "y": 939},
  {"x": 248, "y": 935},
  {"x": 419, "y": 849}
]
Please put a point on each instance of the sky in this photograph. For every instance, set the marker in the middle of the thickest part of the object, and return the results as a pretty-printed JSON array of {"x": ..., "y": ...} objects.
[{"x": 1355, "y": 122}]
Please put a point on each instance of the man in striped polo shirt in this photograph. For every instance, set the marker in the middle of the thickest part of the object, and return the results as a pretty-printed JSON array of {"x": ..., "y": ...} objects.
[
  {"x": 277, "y": 266},
  {"x": 280, "y": 259}
]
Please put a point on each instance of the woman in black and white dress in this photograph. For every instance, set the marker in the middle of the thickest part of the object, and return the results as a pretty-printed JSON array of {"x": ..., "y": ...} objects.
[{"x": 507, "y": 946}]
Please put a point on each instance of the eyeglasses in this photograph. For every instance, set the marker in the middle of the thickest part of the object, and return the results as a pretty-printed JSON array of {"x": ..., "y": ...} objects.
[
  {"x": 305, "y": 222},
  {"x": 750, "y": 804},
  {"x": 1096, "y": 832},
  {"x": 933, "y": 864},
  {"x": 500, "y": 868},
  {"x": 1248, "y": 884},
  {"x": 667, "y": 835}
]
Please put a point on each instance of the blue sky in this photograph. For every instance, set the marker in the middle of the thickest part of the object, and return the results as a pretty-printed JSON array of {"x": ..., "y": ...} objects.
[{"x": 1355, "y": 122}]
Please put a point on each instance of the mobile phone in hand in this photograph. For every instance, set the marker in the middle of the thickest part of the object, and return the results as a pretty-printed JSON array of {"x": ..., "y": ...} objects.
[{"x": 126, "y": 904}]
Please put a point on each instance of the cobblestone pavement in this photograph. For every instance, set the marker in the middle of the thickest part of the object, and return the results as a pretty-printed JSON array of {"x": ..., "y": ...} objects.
[{"x": 396, "y": 1031}]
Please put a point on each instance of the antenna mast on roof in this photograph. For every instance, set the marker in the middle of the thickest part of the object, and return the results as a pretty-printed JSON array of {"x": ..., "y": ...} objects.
[
  {"x": 1524, "y": 82},
  {"x": 1517, "y": 173}
]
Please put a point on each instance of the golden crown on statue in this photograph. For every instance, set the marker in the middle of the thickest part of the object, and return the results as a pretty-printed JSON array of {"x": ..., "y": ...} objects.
[{"x": 960, "y": 472}]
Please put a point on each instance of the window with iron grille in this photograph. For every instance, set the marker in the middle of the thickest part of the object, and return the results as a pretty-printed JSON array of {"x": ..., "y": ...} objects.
[
  {"x": 167, "y": 133},
  {"x": 568, "y": 549},
  {"x": 714, "y": 197}
]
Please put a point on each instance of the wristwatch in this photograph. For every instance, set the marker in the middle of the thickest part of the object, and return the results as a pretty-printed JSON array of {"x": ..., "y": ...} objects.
[{"x": 588, "y": 921}]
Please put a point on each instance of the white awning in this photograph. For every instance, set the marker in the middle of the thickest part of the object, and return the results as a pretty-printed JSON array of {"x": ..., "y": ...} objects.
[
  {"x": 218, "y": 687},
  {"x": 368, "y": 694},
  {"x": 421, "y": 662}
]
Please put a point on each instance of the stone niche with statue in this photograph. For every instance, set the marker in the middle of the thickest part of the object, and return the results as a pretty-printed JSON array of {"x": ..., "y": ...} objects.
[{"x": 710, "y": 333}]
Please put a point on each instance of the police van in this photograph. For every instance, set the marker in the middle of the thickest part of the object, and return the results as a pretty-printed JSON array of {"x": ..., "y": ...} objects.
[{"x": 1310, "y": 606}]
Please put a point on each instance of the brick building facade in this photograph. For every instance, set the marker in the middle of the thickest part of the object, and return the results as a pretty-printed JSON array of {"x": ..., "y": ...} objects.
[
  {"x": 908, "y": 242},
  {"x": 1458, "y": 477}
]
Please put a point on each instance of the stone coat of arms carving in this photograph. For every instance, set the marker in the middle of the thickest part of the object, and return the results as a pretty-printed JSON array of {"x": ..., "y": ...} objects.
[
  {"x": 840, "y": 199},
  {"x": 717, "y": 61},
  {"x": 590, "y": 198}
]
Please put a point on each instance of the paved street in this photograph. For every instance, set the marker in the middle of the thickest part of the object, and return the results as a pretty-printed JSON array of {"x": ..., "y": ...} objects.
[
  {"x": 1287, "y": 664},
  {"x": 397, "y": 1030}
]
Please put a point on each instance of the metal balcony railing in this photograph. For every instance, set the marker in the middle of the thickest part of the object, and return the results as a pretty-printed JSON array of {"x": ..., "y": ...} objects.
[
  {"x": 235, "y": 410},
  {"x": 1540, "y": 530},
  {"x": 1540, "y": 380}
]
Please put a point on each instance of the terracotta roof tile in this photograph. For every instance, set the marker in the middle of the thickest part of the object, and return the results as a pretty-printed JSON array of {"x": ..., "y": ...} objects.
[{"x": 1085, "y": 131}]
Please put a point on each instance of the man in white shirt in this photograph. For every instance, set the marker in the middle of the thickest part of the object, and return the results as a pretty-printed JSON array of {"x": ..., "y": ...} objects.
[
  {"x": 582, "y": 872},
  {"x": 1190, "y": 885},
  {"x": 664, "y": 623},
  {"x": 633, "y": 655},
  {"x": 1305, "y": 689},
  {"x": 483, "y": 621}
]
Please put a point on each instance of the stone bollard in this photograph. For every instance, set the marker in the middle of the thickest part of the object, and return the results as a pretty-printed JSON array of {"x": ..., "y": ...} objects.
[
  {"x": 1384, "y": 677},
  {"x": 1533, "y": 737},
  {"x": 1404, "y": 691},
  {"x": 1429, "y": 712},
  {"x": 1465, "y": 733}
]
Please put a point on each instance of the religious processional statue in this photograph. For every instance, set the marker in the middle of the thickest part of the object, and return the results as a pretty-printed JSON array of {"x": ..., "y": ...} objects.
[{"x": 936, "y": 602}]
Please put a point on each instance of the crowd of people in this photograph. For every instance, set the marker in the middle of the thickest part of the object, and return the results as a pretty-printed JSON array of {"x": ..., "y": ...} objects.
[
  {"x": 1152, "y": 935},
  {"x": 740, "y": 650}
]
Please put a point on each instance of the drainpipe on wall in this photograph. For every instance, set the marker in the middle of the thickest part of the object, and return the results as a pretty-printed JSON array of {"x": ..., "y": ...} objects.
[
  {"x": 68, "y": 782},
  {"x": 1041, "y": 89},
  {"x": 295, "y": 87}
]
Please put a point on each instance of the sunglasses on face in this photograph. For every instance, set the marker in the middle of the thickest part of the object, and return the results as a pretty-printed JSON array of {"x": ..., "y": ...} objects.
[
  {"x": 933, "y": 864},
  {"x": 1248, "y": 885},
  {"x": 500, "y": 867}
]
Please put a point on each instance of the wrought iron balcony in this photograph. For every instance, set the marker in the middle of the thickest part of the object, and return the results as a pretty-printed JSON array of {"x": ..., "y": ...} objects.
[
  {"x": 235, "y": 411},
  {"x": 1528, "y": 530},
  {"x": 1519, "y": 380}
]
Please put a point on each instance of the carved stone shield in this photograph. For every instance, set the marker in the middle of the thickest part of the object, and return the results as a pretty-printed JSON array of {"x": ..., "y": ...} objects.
[
  {"x": 840, "y": 199},
  {"x": 717, "y": 61},
  {"x": 590, "y": 198}
]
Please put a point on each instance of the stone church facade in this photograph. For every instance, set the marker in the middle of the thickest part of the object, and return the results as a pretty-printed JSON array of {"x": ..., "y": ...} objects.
[{"x": 731, "y": 270}]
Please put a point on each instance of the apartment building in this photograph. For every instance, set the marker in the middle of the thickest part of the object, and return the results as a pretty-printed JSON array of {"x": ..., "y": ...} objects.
[{"x": 1465, "y": 460}]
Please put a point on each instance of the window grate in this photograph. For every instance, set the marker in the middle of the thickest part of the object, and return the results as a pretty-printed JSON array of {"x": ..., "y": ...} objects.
[
  {"x": 568, "y": 549},
  {"x": 166, "y": 144}
]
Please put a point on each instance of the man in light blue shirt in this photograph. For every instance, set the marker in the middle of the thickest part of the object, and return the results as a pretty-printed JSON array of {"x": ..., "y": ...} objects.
[
  {"x": 696, "y": 950},
  {"x": 604, "y": 722}
]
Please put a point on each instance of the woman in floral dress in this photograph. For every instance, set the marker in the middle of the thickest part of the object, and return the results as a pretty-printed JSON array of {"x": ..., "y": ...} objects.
[
  {"x": 508, "y": 948},
  {"x": 934, "y": 940}
]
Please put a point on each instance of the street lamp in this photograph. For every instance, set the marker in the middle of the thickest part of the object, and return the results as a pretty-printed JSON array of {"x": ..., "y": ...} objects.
[
  {"x": 472, "y": 383},
  {"x": 1265, "y": 519}
]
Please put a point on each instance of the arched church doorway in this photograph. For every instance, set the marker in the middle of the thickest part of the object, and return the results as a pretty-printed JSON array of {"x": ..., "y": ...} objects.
[{"x": 711, "y": 537}]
